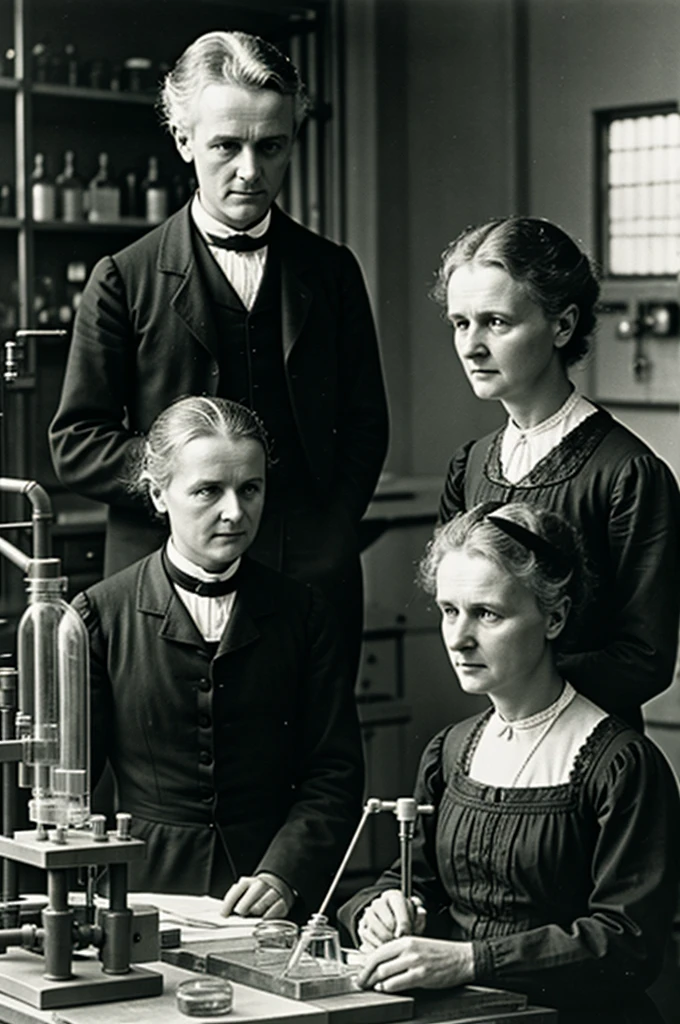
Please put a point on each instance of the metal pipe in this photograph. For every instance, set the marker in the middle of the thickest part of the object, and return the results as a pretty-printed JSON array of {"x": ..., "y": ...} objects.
[
  {"x": 42, "y": 511},
  {"x": 27, "y": 936}
]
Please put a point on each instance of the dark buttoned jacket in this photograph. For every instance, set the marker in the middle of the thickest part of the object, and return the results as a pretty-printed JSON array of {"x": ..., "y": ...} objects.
[
  {"x": 251, "y": 751},
  {"x": 144, "y": 335}
]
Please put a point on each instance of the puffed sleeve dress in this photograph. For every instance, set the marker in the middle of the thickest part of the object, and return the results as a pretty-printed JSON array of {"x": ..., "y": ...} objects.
[
  {"x": 567, "y": 892},
  {"x": 625, "y": 503}
]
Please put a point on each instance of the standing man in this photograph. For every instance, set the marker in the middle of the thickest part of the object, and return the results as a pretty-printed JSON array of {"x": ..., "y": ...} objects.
[{"x": 230, "y": 297}]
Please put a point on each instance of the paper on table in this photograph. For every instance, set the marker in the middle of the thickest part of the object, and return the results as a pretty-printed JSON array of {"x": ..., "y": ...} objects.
[{"x": 198, "y": 911}]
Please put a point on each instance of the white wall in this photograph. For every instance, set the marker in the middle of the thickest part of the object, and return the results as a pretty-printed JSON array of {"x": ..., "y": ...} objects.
[{"x": 588, "y": 55}]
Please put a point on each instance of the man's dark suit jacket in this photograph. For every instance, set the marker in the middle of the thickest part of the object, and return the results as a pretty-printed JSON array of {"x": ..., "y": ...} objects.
[
  {"x": 250, "y": 754},
  {"x": 144, "y": 336}
]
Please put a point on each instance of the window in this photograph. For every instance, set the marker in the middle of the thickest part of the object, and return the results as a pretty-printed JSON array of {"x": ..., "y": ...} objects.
[{"x": 640, "y": 192}]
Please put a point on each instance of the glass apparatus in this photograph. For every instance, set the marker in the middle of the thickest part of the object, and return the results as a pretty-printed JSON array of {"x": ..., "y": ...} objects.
[
  {"x": 274, "y": 943},
  {"x": 317, "y": 953},
  {"x": 53, "y": 708}
]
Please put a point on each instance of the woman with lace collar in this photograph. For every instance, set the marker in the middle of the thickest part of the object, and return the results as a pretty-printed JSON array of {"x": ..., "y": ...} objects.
[
  {"x": 520, "y": 295},
  {"x": 546, "y": 867}
]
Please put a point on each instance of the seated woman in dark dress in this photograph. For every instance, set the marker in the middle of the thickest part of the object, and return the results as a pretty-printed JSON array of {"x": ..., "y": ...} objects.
[
  {"x": 220, "y": 693},
  {"x": 551, "y": 863},
  {"x": 520, "y": 296}
]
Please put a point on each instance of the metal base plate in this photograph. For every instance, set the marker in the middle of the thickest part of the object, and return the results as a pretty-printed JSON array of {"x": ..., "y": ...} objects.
[{"x": 21, "y": 977}]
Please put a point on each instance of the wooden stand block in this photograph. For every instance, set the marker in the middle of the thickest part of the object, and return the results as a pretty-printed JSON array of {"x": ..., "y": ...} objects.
[{"x": 239, "y": 965}]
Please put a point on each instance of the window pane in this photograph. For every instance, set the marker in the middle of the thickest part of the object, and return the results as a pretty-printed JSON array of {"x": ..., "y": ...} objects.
[{"x": 643, "y": 194}]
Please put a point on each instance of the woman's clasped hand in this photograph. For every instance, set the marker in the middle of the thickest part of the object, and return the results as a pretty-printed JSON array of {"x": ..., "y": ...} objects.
[
  {"x": 545, "y": 868},
  {"x": 399, "y": 957}
]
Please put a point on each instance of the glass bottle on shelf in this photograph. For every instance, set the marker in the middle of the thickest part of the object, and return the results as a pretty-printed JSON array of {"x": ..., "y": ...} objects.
[
  {"x": 97, "y": 74},
  {"x": 76, "y": 275},
  {"x": 103, "y": 193},
  {"x": 45, "y": 307},
  {"x": 40, "y": 62},
  {"x": 7, "y": 63},
  {"x": 70, "y": 191},
  {"x": 155, "y": 194},
  {"x": 130, "y": 194},
  {"x": 138, "y": 74},
  {"x": 7, "y": 207},
  {"x": 71, "y": 67},
  {"x": 116, "y": 77},
  {"x": 43, "y": 191}
]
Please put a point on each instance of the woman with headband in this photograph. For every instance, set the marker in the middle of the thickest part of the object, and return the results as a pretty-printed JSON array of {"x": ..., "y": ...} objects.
[
  {"x": 520, "y": 296},
  {"x": 546, "y": 868}
]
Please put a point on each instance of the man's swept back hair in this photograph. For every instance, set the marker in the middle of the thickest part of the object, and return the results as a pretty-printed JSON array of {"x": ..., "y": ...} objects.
[{"x": 232, "y": 58}]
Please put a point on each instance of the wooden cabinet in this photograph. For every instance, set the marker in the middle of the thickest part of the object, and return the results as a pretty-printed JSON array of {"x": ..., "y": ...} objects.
[{"x": 66, "y": 84}]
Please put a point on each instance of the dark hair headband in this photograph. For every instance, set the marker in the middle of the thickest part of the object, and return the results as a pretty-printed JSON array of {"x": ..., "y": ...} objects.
[{"x": 548, "y": 553}]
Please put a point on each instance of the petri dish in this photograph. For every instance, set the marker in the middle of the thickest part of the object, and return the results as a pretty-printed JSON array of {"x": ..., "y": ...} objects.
[{"x": 205, "y": 997}]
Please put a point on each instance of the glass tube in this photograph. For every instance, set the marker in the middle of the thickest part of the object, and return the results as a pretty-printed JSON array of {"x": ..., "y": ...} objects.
[{"x": 53, "y": 715}]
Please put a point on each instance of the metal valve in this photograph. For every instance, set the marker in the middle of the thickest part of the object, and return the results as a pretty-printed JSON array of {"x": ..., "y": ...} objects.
[
  {"x": 406, "y": 810},
  {"x": 15, "y": 352}
]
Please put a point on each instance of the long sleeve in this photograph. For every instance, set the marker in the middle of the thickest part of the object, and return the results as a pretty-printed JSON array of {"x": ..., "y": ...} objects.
[
  {"x": 643, "y": 554},
  {"x": 363, "y": 423},
  {"x": 307, "y": 848},
  {"x": 92, "y": 448},
  {"x": 625, "y": 504},
  {"x": 452, "y": 499},
  {"x": 617, "y": 946}
]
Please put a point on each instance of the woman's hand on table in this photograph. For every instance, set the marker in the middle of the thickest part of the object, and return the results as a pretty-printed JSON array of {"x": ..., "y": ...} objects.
[
  {"x": 390, "y": 916},
  {"x": 263, "y": 895},
  {"x": 416, "y": 962}
]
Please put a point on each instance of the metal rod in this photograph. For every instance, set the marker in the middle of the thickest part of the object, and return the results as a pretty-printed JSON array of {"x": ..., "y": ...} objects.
[
  {"x": 369, "y": 809},
  {"x": 406, "y": 851},
  {"x": 372, "y": 806},
  {"x": 14, "y": 555},
  {"x": 58, "y": 924}
]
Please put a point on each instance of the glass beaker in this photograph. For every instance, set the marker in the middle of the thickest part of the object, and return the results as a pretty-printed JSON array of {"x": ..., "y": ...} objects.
[
  {"x": 275, "y": 940},
  {"x": 318, "y": 952}
]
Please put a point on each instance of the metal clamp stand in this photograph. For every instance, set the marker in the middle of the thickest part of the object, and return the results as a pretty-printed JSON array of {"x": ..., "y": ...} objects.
[
  {"x": 56, "y": 980},
  {"x": 406, "y": 810}
]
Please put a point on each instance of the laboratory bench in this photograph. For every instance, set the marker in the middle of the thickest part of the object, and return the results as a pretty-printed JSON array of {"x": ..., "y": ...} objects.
[{"x": 468, "y": 1005}]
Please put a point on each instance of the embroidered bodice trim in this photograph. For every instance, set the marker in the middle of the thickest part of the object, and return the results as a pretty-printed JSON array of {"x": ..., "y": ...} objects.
[
  {"x": 565, "y": 794},
  {"x": 562, "y": 463}
]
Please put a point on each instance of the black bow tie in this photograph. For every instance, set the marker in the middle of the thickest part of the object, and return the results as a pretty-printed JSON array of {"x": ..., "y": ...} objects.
[
  {"x": 203, "y": 588},
  {"x": 241, "y": 243}
]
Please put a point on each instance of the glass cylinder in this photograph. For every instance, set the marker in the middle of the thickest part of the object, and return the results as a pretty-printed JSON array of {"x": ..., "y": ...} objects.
[{"x": 53, "y": 716}]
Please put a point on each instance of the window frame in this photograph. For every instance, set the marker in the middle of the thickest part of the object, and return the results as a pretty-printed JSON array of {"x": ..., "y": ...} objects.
[{"x": 603, "y": 121}]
